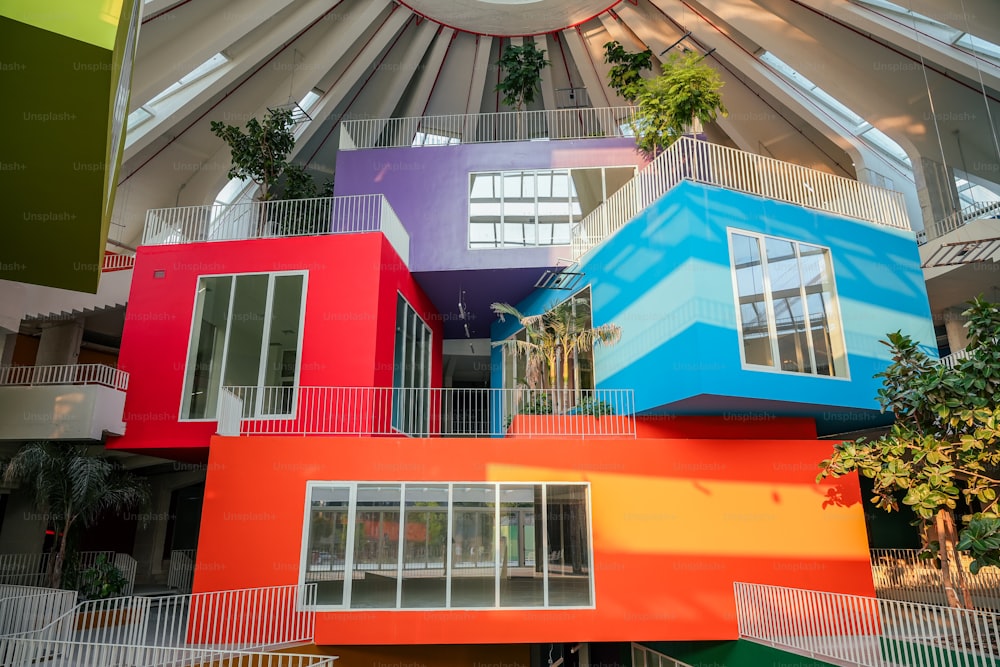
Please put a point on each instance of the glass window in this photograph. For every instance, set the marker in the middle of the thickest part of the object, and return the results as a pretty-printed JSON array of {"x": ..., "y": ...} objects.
[
  {"x": 464, "y": 545},
  {"x": 411, "y": 374},
  {"x": 787, "y": 308},
  {"x": 246, "y": 334},
  {"x": 516, "y": 209}
]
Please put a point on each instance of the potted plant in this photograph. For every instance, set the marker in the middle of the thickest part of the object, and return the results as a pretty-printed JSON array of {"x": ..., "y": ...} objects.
[
  {"x": 522, "y": 66},
  {"x": 552, "y": 340},
  {"x": 670, "y": 104},
  {"x": 625, "y": 75}
]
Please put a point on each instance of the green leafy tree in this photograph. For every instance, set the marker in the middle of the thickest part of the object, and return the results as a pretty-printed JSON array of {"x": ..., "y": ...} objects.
[
  {"x": 73, "y": 488},
  {"x": 523, "y": 66},
  {"x": 669, "y": 104},
  {"x": 554, "y": 336},
  {"x": 625, "y": 75},
  {"x": 944, "y": 446},
  {"x": 261, "y": 153}
]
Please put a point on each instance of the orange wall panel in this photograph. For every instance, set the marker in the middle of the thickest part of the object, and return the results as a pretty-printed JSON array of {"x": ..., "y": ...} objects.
[{"x": 675, "y": 523}]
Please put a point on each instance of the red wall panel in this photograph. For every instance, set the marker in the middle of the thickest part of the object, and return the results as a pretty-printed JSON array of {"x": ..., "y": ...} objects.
[
  {"x": 351, "y": 280},
  {"x": 675, "y": 523}
]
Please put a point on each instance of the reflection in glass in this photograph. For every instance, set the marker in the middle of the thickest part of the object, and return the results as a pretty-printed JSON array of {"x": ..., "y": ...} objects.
[
  {"x": 568, "y": 545},
  {"x": 327, "y": 543},
  {"x": 376, "y": 546},
  {"x": 426, "y": 546},
  {"x": 753, "y": 307},
  {"x": 521, "y": 582},
  {"x": 204, "y": 366},
  {"x": 789, "y": 317},
  {"x": 282, "y": 345},
  {"x": 473, "y": 546}
]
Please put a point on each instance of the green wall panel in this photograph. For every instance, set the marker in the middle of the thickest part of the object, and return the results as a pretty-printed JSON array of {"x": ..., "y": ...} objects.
[{"x": 738, "y": 653}]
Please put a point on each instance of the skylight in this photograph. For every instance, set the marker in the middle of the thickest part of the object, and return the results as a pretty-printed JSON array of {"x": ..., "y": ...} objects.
[{"x": 213, "y": 63}]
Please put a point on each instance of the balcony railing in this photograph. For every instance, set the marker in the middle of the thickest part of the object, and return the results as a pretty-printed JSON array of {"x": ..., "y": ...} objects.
[
  {"x": 32, "y": 570},
  {"x": 954, "y": 358},
  {"x": 968, "y": 214},
  {"x": 99, "y": 374},
  {"x": 22, "y": 651},
  {"x": 899, "y": 574},
  {"x": 580, "y": 123},
  {"x": 28, "y": 608},
  {"x": 703, "y": 162},
  {"x": 365, "y": 411},
  {"x": 115, "y": 262},
  {"x": 354, "y": 214},
  {"x": 866, "y": 631},
  {"x": 181, "y": 572}
]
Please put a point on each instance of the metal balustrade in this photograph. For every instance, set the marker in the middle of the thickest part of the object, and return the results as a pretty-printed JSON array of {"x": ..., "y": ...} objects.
[
  {"x": 116, "y": 262},
  {"x": 354, "y": 214},
  {"x": 702, "y": 162},
  {"x": 426, "y": 412},
  {"x": 100, "y": 374},
  {"x": 25, "y": 651},
  {"x": 952, "y": 359},
  {"x": 961, "y": 218},
  {"x": 900, "y": 574},
  {"x": 33, "y": 569},
  {"x": 504, "y": 126},
  {"x": 29, "y": 608},
  {"x": 866, "y": 631},
  {"x": 242, "y": 619},
  {"x": 181, "y": 572}
]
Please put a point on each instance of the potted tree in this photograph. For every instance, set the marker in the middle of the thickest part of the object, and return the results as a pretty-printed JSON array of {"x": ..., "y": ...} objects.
[
  {"x": 523, "y": 75},
  {"x": 551, "y": 342},
  {"x": 670, "y": 105},
  {"x": 625, "y": 75}
]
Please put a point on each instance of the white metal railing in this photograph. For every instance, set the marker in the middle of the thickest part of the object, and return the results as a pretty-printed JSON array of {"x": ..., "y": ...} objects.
[
  {"x": 116, "y": 262},
  {"x": 899, "y": 574},
  {"x": 968, "y": 214},
  {"x": 643, "y": 656},
  {"x": 427, "y": 412},
  {"x": 703, "y": 162},
  {"x": 353, "y": 214},
  {"x": 866, "y": 631},
  {"x": 242, "y": 619},
  {"x": 955, "y": 357},
  {"x": 580, "y": 123},
  {"x": 181, "y": 572},
  {"x": 33, "y": 569},
  {"x": 28, "y": 608},
  {"x": 26, "y": 651},
  {"x": 101, "y": 374}
]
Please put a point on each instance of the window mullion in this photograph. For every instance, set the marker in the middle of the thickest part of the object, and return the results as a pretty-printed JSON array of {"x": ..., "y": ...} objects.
[
  {"x": 225, "y": 346},
  {"x": 496, "y": 545},
  {"x": 772, "y": 326},
  {"x": 448, "y": 548},
  {"x": 545, "y": 546},
  {"x": 401, "y": 545},
  {"x": 352, "y": 519},
  {"x": 501, "y": 234},
  {"x": 265, "y": 341},
  {"x": 805, "y": 310}
]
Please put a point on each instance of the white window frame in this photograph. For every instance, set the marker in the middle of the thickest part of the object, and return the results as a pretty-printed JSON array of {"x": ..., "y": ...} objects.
[
  {"x": 410, "y": 359},
  {"x": 836, "y": 335},
  {"x": 504, "y": 172},
  {"x": 352, "y": 487},
  {"x": 265, "y": 340}
]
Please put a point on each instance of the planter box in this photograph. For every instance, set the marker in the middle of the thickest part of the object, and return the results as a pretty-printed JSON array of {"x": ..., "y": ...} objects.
[{"x": 561, "y": 426}]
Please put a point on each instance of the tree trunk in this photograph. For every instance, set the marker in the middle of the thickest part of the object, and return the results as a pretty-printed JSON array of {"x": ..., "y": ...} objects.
[
  {"x": 952, "y": 579},
  {"x": 55, "y": 581}
]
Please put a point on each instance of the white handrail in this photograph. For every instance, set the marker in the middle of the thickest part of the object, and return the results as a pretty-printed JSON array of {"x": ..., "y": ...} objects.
[
  {"x": 704, "y": 162},
  {"x": 955, "y": 357},
  {"x": 970, "y": 213},
  {"x": 503, "y": 126},
  {"x": 181, "y": 572},
  {"x": 29, "y": 608},
  {"x": 100, "y": 374},
  {"x": 428, "y": 412},
  {"x": 864, "y": 630},
  {"x": 353, "y": 214},
  {"x": 900, "y": 574},
  {"x": 116, "y": 262}
]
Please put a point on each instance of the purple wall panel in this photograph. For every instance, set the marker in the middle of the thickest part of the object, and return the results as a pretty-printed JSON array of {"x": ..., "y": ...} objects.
[{"x": 429, "y": 189}]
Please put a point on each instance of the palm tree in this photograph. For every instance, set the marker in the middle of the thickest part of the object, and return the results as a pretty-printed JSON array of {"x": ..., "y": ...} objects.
[
  {"x": 73, "y": 487},
  {"x": 553, "y": 337}
]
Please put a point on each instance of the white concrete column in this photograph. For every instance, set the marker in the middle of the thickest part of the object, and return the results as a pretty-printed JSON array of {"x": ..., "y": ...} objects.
[
  {"x": 60, "y": 344},
  {"x": 954, "y": 326},
  {"x": 151, "y": 535},
  {"x": 7, "y": 341}
]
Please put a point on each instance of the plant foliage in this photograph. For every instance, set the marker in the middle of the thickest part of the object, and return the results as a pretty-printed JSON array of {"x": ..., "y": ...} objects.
[
  {"x": 523, "y": 66},
  {"x": 668, "y": 105},
  {"x": 945, "y": 443},
  {"x": 625, "y": 75},
  {"x": 74, "y": 488},
  {"x": 553, "y": 337},
  {"x": 102, "y": 581},
  {"x": 261, "y": 153}
]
